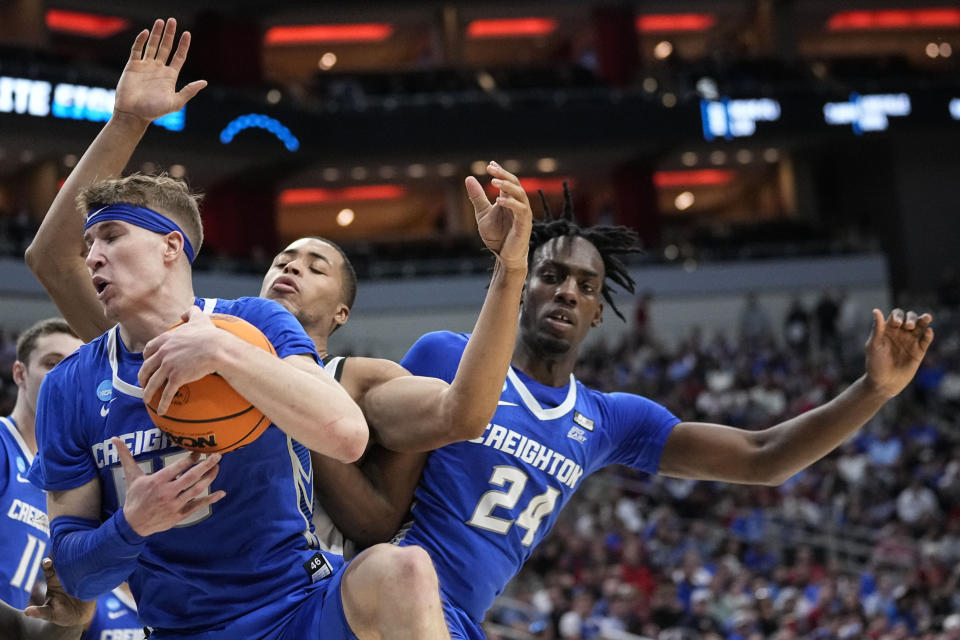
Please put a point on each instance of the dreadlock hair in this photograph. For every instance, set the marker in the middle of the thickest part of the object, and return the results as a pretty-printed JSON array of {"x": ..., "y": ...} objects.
[{"x": 610, "y": 241}]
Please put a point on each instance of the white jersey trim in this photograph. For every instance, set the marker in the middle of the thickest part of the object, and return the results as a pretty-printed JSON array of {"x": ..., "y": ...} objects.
[
  {"x": 122, "y": 596},
  {"x": 123, "y": 387},
  {"x": 18, "y": 438},
  {"x": 531, "y": 403}
]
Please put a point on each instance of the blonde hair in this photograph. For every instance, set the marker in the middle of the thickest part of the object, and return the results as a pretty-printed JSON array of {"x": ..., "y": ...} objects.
[{"x": 168, "y": 196}]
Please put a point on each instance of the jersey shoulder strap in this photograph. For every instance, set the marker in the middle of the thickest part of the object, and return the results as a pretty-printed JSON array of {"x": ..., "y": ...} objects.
[{"x": 334, "y": 366}]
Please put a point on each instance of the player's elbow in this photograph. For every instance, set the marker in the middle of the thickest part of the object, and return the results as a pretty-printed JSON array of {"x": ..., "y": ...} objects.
[
  {"x": 352, "y": 434},
  {"x": 465, "y": 421},
  {"x": 32, "y": 258},
  {"x": 764, "y": 467}
]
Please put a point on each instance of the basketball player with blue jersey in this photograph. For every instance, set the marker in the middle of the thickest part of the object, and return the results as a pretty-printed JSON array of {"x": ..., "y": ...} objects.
[
  {"x": 483, "y": 505},
  {"x": 24, "y": 530}
]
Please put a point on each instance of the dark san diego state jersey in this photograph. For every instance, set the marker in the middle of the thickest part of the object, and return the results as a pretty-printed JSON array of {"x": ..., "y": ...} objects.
[
  {"x": 483, "y": 505},
  {"x": 251, "y": 550},
  {"x": 24, "y": 530}
]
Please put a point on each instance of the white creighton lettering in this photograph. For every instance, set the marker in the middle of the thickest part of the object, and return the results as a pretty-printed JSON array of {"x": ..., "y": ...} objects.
[
  {"x": 139, "y": 442},
  {"x": 531, "y": 452},
  {"x": 30, "y": 515}
]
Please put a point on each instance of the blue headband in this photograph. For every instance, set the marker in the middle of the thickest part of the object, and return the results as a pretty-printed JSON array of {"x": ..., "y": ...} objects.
[{"x": 142, "y": 217}]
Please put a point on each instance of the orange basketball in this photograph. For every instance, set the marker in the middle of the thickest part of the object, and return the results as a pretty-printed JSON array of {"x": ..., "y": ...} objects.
[{"x": 207, "y": 415}]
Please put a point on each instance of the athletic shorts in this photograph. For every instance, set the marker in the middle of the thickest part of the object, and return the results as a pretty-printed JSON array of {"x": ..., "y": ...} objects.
[
  {"x": 318, "y": 616},
  {"x": 461, "y": 626}
]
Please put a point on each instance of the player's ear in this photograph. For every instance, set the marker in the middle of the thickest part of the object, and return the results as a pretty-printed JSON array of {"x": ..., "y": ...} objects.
[
  {"x": 341, "y": 315},
  {"x": 598, "y": 316},
  {"x": 173, "y": 245},
  {"x": 19, "y": 373}
]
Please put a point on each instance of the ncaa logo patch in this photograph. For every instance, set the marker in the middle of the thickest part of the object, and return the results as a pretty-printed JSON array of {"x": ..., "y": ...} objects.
[
  {"x": 21, "y": 465},
  {"x": 105, "y": 391},
  {"x": 113, "y": 604}
]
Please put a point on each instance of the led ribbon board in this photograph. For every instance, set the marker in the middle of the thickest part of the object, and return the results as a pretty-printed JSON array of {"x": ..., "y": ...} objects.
[
  {"x": 726, "y": 118},
  {"x": 259, "y": 121},
  {"x": 868, "y": 112},
  {"x": 66, "y": 101}
]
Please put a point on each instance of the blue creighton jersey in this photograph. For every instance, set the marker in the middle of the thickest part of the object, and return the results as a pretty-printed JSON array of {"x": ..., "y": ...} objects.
[
  {"x": 24, "y": 530},
  {"x": 247, "y": 552},
  {"x": 483, "y": 505},
  {"x": 114, "y": 619}
]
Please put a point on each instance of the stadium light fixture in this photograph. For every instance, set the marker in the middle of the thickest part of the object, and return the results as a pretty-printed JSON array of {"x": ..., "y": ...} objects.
[
  {"x": 706, "y": 177},
  {"x": 894, "y": 19},
  {"x": 347, "y": 194},
  {"x": 675, "y": 22},
  {"x": 511, "y": 28},
  {"x": 323, "y": 33},
  {"x": 89, "y": 25}
]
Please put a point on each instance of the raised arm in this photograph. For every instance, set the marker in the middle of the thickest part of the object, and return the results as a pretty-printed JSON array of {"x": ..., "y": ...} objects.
[
  {"x": 715, "y": 452},
  {"x": 146, "y": 91},
  {"x": 419, "y": 414}
]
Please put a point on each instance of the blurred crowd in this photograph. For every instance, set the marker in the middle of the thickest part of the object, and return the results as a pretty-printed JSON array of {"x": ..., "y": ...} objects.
[{"x": 864, "y": 544}]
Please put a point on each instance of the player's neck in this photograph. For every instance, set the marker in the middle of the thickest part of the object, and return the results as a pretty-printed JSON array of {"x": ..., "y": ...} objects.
[
  {"x": 24, "y": 419},
  {"x": 164, "y": 312},
  {"x": 320, "y": 342},
  {"x": 552, "y": 370}
]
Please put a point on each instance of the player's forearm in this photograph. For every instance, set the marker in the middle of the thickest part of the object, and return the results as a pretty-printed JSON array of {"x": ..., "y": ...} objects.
[
  {"x": 356, "y": 506},
  {"x": 310, "y": 407},
  {"x": 93, "y": 558},
  {"x": 62, "y": 227},
  {"x": 471, "y": 400},
  {"x": 790, "y": 446},
  {"x": 16, "y": 625}
]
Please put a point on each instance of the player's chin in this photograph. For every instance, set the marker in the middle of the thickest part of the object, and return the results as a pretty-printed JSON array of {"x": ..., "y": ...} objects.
[
  {"x": 551, "y": 343},
  {"x": 283, "y": 299}
]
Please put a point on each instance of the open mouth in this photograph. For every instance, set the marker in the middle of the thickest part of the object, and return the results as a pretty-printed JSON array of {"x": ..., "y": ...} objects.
[
  {"x": 559, "y": 317},
  {"x": 100, "y": 284}
]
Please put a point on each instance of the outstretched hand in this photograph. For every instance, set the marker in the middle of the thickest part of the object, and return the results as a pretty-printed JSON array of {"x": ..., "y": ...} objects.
[
  {"x": 504, "y": 224},
  {"x": 148, "y": 86},
  {"x": 895, "y": 348},
  {"x": 59, "y": 607}
]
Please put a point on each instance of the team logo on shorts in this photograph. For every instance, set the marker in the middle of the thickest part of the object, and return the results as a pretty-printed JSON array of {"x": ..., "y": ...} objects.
[{"x": 105, "y": 391}]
